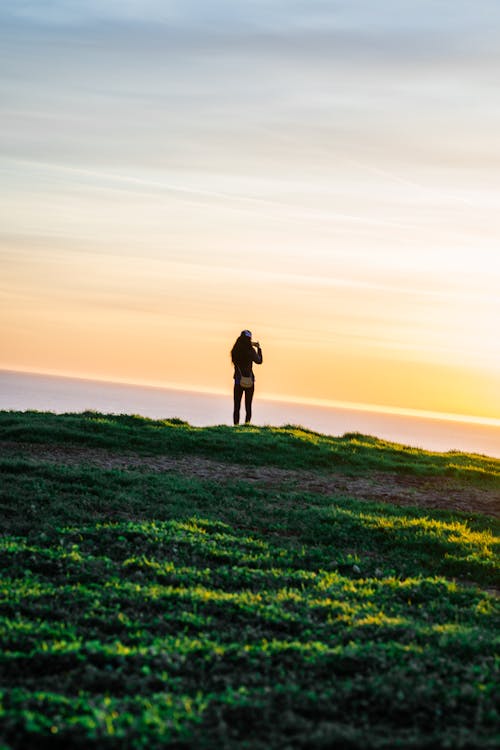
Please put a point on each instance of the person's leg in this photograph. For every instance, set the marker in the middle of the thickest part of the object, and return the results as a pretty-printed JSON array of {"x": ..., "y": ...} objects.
[
  {"x": 248, "y": 404},
  {"x": 237, "y": 394}
]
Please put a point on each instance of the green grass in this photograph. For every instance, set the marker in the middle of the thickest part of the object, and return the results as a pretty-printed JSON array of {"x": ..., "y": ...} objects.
[
  {"x": 150, "y": 610},
  {"x": 285, "y": 447}
]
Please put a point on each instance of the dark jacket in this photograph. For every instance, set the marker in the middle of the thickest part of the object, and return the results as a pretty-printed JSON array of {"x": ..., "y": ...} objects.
[{"x": 243, "y": 365}]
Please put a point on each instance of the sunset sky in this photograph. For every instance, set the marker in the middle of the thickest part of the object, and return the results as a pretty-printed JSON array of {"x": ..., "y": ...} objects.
[{"x": 325, "y": 173}]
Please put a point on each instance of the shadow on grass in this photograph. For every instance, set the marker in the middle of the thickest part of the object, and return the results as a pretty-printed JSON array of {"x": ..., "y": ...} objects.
[
  {"x": 187, "y": 630},
  {"x": 320, "y": 532}
]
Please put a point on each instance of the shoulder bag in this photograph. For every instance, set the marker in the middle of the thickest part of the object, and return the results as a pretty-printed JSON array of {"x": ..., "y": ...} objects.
[{"x": 246, "y": 381}]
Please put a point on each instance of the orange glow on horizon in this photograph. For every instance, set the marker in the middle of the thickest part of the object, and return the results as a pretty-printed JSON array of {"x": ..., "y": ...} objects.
[
  {"x": 276, "y": 397},
  {"x": 325, "y": 340}
]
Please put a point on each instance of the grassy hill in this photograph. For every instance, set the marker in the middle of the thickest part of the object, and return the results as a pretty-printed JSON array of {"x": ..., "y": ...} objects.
[{"x": 149, "y": 608}]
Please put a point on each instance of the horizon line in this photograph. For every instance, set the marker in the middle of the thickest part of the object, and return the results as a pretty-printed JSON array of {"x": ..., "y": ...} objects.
[{"x": 270, "y": 397}]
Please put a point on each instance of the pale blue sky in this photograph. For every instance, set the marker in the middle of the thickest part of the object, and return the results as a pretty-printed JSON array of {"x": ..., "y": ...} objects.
[{"x": 384, "y": 14}]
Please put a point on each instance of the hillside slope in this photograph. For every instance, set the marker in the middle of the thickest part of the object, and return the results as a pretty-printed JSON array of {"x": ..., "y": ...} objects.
[{"x": 164, "y": 585}]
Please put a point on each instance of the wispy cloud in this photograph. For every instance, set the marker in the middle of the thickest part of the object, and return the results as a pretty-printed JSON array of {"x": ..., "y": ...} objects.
[{"x": 271, "y": 14}]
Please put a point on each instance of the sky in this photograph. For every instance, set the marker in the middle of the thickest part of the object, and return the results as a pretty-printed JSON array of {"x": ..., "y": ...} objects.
[{"x": 325, "y": 173}]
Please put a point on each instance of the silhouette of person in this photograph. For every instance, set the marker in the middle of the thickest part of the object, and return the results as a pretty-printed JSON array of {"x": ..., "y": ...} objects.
[{"x": 243, "y": 354}]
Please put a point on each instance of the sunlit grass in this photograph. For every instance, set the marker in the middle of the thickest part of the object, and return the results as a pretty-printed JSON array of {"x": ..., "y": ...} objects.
[
  {"x": 287, "y": 447},
  {"x": 153, "y": 610}
]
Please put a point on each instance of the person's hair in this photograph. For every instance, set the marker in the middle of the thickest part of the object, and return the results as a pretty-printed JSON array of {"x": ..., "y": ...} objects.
[{"x": 242, "y": 348}]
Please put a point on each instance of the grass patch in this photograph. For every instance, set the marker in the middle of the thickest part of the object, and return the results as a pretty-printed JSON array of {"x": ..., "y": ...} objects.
[
  {"x": 287, "y": 447},
  {"x": 151, "y": 610}
]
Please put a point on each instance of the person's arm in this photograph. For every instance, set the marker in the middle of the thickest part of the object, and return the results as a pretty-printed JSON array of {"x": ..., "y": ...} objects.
[{"x": 257, "y": 354}]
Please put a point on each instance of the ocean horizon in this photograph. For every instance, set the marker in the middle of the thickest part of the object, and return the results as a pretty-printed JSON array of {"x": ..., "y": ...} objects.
[{"x": 22, "y": 391}]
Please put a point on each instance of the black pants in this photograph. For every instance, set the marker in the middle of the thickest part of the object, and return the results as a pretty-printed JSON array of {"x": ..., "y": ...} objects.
[{"x": 238, "y": 393}]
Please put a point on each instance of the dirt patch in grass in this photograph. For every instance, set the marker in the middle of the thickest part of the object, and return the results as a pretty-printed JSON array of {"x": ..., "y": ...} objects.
[{"x": 400, "y": 489}]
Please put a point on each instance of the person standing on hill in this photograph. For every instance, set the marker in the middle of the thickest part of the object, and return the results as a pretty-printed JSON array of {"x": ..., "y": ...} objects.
[{"x": 243, "y": 354}]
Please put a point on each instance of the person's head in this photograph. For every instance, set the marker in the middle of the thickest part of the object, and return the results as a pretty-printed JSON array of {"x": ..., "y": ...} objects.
[{"x": 242, "y": 345}]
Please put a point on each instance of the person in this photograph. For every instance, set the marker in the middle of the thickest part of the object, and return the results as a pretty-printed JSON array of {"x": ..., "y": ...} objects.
[{"x": 243, "y": 354}]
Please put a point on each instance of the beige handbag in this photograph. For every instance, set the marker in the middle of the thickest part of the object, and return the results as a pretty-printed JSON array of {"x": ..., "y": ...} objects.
[{"x": 246, "y": 381}]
